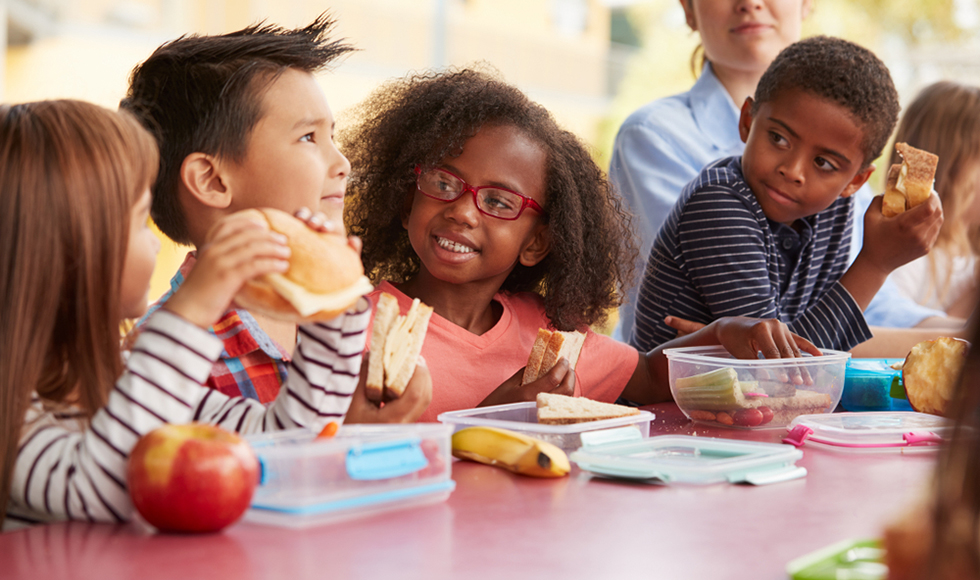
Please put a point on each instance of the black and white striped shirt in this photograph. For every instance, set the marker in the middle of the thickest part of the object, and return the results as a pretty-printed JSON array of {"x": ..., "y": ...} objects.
[
  {"x": 68, "y": 468},
  {"x": 718, "y": 255}
]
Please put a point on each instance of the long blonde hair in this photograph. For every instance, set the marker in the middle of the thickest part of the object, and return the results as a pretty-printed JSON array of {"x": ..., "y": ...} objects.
[
  {"x": 70, "y": 173},
  {"x": 945, "y": 119}
]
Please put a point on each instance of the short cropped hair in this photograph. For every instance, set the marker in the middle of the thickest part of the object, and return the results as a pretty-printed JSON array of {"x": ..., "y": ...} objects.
[
  {"x": 844, "y": 73},
  {"x": 204, "y": 94}
]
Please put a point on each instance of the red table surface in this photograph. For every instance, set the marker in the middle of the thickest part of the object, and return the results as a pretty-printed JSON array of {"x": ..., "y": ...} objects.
[{"x": 497, "y": 525}]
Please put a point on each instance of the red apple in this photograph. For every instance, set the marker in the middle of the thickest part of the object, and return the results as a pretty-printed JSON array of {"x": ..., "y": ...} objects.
[{"x": 192, "y": 478}]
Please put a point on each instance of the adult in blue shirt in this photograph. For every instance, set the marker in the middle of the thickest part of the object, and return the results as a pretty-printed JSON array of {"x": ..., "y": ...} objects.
[{"x": 665, "y": 144}]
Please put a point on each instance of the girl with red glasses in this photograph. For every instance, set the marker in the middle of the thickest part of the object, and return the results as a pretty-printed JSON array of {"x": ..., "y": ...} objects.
[{"x": 470, "y": 197}]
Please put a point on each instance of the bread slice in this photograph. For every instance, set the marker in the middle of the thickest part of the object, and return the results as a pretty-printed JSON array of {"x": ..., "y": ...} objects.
[
  {"x": 551, "y": 354},
  {"x": 396, "y": 342},
  {"x": 893, "y": 202},
  {"x": 562, "y": 410},
  {"x": 384, "y": 317},
  {"x": 405, "y": 344},
  {"x": 548, "y": 348},
  {"x": 917, "y": 173},
  {"x": 537, "y": 353}
]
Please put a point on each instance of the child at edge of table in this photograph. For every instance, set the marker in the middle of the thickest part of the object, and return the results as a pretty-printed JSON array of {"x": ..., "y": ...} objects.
[
  {"x": 766, "y": 234},
  {"x": 936, "y": 538},
  {"x": 241, "y": 122},
  {"x": 75, "y": 181},
  {"x": 469, "y": 196}
]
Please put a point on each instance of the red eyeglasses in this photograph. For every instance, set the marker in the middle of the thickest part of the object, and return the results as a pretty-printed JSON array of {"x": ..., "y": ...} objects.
[{"x": 491, "y": 200}]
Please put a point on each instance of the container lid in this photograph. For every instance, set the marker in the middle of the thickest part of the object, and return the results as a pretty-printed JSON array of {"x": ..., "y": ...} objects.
[
  {"x": 853, "y": 559},
  {"x": 870, "y": 431},
  {"x": 872, "y": 367},
  {"x": 489, "y": 417},
  {"x": 686, "y": 459},
  {"x": 342, "y": 503},
  {"x": 697, "y": 354}
]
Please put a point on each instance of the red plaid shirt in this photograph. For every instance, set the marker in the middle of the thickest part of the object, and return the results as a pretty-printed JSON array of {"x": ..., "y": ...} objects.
[{"x": 251, "y": 365}]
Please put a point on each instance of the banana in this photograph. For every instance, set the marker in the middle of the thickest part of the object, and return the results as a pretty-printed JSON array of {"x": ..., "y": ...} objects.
[{"x": 512, "y": 451}]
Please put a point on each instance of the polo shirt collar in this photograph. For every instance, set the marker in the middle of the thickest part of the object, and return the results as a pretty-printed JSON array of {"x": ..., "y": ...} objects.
[{"x": 715, "y": 113}]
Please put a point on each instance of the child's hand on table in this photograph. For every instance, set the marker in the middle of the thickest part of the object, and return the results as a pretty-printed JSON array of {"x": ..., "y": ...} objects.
[
  {"x": 560, "y": 380},
  {"x": 405, "y": 409}
]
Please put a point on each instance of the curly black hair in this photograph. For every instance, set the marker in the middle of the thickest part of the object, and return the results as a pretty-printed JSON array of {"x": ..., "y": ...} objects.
[
  {"x": 842, "y": 72},
  {"x": 424, "y": 118},
  {"x": 204, "y": 94}
]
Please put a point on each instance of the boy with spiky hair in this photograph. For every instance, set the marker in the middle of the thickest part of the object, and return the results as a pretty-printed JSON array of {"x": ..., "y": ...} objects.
[
  {"x": 767, "y": 234},
  {"x": 242, "y": 123}
]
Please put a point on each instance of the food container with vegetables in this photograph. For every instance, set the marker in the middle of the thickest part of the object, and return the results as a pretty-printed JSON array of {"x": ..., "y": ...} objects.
[{"x": 712, "y": 387}]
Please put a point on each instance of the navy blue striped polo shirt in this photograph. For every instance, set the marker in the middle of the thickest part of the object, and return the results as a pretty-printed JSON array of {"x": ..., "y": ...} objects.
[{"x": 719, "y": 255}]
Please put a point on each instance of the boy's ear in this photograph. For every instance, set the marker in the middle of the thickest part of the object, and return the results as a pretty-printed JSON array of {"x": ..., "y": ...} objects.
[
  {"x": 806, "y": 8},
  {"x": 537, "y": 247},
  {"x": 860, "y": 179},
  {"x": 692, "y": 22},
  {"x": 745, "y": 120},
  {"x": 201, "y": 175}
]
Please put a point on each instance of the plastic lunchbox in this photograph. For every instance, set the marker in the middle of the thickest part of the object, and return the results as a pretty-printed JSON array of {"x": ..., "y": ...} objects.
[
  {"x": 523, "y": 418},
  {"x": 872, "y": 384},
  {"x": 364, "y": 469},
  {"x": 895, "y": 431},
  {"x": 852, "y": 559},
  {"x": 712, "y": 387},
  {"x": 685, "y": 459}
]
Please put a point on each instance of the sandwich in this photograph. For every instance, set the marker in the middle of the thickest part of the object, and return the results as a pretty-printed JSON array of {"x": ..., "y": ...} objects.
[
  {"x": 562, "y": 410},
  {"x": 324, "y": 279},
  {"x": 396, "y": 342},
  {"x": 911, "y": 183},
  {"x": 548, "y": 348}
]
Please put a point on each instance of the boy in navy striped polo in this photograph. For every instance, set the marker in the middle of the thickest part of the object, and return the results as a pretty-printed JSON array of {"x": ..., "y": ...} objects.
[{"x": 767, "y": 234}]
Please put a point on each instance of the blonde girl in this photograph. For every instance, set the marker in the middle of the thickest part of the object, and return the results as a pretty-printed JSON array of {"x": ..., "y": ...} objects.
[
  {"x": 945, "y": 119},
  {"x": 76, "y": 256}
]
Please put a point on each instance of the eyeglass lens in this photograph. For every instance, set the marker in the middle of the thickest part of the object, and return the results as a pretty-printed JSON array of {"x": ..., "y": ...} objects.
[{"x": 496, "y": 202}]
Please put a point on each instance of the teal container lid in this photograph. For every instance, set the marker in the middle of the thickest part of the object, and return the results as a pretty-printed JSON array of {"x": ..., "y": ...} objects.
[{"x": 687, "y": 460}]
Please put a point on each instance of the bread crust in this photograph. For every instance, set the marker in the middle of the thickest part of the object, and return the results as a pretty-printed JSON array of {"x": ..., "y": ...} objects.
[
  {"x": 548, "y": 348},
  {"x": 556, "y": 409},
  {"x": 893, "y": 202},
  {"x": 920, "y": 171},
  {"x": 537, "y": 353},
  {"x": 384, "y": 316},
  {"x": 386, "y": 379}
]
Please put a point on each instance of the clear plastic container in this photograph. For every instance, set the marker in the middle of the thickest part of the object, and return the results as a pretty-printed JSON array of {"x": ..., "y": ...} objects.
[
  {"x": 362, "y": 470},
  {"x": 900, "y": 431},
  {"x": 686, "y": 459},
  {"x": 712, "y": 387},
  {"x": 523, "y": 418},
  {"x": 871, "y": 384}
]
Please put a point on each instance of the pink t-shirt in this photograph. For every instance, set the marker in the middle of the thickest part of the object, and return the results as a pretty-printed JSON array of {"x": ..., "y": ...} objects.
[{"x": 466, "y": 367}]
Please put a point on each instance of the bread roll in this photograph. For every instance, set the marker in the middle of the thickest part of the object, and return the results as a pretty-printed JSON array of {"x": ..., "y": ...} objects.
[{"x": 324, "y": 279}]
